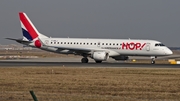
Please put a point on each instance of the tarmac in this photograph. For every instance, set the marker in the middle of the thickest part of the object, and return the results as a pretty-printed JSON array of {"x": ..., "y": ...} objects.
[{"x": 75, "y": 62}]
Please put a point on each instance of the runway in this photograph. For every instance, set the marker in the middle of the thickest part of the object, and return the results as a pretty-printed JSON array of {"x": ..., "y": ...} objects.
[{"x": 84, "y": 65}]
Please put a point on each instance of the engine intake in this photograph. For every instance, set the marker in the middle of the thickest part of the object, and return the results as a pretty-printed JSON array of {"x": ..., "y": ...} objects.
[{"x": 100, "y": 56}]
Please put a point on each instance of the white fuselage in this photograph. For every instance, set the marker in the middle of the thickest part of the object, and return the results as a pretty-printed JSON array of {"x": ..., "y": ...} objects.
[
  {"x": 114, "y": 47},
  {"x": 98, "y": 49}
]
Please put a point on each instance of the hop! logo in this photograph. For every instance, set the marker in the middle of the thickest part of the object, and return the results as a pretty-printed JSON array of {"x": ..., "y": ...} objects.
[{"x": 133, "y": 46}]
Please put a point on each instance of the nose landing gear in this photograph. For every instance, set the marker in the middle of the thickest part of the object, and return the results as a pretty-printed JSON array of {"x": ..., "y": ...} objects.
[{"x": 153, "y": 59}]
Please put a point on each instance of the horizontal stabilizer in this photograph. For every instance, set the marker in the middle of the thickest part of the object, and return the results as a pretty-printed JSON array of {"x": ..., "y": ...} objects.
[{"x": 19, "y": 40}]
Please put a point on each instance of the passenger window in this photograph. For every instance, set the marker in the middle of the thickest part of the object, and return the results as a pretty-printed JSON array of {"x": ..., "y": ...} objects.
[
  {"x": 102, "y": 43},
  {"x": 106, "y": 43},
  {"x": 94, "y": 43}
]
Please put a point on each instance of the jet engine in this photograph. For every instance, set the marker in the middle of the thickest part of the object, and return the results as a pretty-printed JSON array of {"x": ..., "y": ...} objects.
[
  {"x": 121, "y": 57},
  {"x": 100, "y": 56}
]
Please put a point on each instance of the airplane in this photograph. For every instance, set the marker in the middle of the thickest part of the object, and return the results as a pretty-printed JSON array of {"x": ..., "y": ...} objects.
[{"x": 97, "y": 49}]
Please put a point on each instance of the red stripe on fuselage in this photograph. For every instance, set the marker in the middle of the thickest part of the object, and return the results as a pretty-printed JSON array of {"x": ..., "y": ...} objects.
[{"x": 28, "y": 25}]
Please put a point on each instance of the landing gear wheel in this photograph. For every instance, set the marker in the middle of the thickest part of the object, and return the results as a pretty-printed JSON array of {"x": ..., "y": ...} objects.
[
  {"x": 153, "y": 61},
  {"x": 98, "y": 61},
  {"x": 84, "y": 60}
]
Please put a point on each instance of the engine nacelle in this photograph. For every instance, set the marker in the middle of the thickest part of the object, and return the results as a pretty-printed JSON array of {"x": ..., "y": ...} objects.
[
  {"x": 121, "y": 57},
  {"x": 100, "y": 56}
]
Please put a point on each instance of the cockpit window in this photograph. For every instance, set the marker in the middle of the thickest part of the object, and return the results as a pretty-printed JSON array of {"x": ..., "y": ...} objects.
[
  {"x": 156, "y": 44},
  {"x": 159, "y": 44},
  {"x": 162, "y": 44}
]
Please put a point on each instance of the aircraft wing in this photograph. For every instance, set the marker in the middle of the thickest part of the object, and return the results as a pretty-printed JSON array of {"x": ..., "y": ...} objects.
[{"x": 79, "y": 50}]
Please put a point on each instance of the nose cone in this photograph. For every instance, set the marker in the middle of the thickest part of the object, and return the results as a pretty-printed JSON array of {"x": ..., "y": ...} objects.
[{"x": 168, "y": 52}]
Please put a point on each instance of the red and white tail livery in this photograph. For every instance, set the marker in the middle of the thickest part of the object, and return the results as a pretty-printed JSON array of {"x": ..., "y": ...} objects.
[
  {"x": 97, "y": 49},
  {"x": 30, "y": 33}
]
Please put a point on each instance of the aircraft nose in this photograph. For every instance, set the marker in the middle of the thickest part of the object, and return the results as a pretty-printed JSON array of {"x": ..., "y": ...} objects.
[{"x": 168, "y": 52}]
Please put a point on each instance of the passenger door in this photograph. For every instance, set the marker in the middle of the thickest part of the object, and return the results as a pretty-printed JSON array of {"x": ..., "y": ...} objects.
[{"x": 148, "y": 46}]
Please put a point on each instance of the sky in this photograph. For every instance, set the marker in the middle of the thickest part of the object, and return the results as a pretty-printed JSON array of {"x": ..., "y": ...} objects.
[{"x": 112, "y": 19}]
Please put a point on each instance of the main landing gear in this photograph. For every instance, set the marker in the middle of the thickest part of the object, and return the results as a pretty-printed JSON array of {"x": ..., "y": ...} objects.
[
  {"x": 98, "y": 61},
  {"x": 153, "y": 59},
  {"x": 84, "y": 60}
]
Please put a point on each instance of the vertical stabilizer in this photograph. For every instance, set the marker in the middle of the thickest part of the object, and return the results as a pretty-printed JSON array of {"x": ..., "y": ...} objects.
[{"x": 30, "y": 33}]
